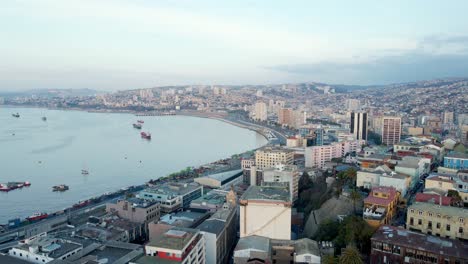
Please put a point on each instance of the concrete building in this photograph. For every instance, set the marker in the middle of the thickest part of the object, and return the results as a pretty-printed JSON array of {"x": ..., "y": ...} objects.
[
  {"x": 135, "y": 210},
  {"x": 415, "y": 131},
  {"x": 317, "y": 156},
  {"x": 273, "y": 204},
  {"x": 352, "y": 104},
  {"x": 176, "y": 245},
  {"x": 286, "y": 117},
  {"x": 221, "y": 180},
  {"x": 391, "y": 244},
  {"x": 260, "y": 111},
  {"x": 380, "y": 206},
  {"x": 383, "y": 176},
  {"x": 415, "y": 167},
  {"x": 258, "y": 249},
  {"x": 211, "y": 201},
  {"x": 455, "y": 160},
  {"x": 358, "y": 125},
  {"x": 391, "y": 130},
  {"x": 270, "y": 156},
  {"x": 44, "y": 249},
  {"x": 220, "y": 232},
  {"x": 433, "y": 219},
  {"x": 173, "y": 196},
  {"x": 448, "y": 117},
  {"x": 447, "y": 181},
  {"x": 285, "y": 174}
]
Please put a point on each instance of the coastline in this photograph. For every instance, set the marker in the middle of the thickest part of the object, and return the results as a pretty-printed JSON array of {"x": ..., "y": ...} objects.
[{"x": 168, "y": 177}]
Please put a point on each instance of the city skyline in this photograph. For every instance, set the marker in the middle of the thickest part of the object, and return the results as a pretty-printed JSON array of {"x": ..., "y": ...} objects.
[{"x": 126, "y": 45}]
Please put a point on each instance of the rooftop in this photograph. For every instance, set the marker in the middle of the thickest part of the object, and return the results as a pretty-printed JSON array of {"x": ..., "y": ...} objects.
[
  {"x": 439, "y": 246},
  {"x": 433, "y": 198},
  {"x": 154, "y": 260},
  {"x": 390, "y": 191},
  {"x": 211, "y": 198},
  {"x": 258, "y": 243},
  {"x": 443, "y": 210},
  {"x": 226, "y": 176},
  {"x": 174, "y": 189},
  {"x": 457, "y": 155},
  {"x": 214, "y": 226},
  {"x": 267, "y": 193},
  {"x": 136, "y": 202},
  {"x": 274, "y": 149},
  {"x": 176, "y": 238},
  {"x": 189, "y": 218}
]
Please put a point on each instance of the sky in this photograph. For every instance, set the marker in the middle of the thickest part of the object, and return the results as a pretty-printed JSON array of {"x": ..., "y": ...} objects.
[{"x": 128, "y": 44}]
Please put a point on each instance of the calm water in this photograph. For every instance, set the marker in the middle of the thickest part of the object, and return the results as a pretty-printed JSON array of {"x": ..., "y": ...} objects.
[{"x": 71, "y": 140}]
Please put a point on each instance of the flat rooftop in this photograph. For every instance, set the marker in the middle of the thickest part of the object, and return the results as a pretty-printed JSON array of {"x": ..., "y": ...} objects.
[
  {"x": 267, "y": 193},
  {"x": 174, "y": 189},
  {"x": 443, "y": 210},
  {"x": 136, "y": 202},
  {"x": 418, "y": 241},
  {"x": 211, "y": 198},
  {"x": 175, "y": 238}
]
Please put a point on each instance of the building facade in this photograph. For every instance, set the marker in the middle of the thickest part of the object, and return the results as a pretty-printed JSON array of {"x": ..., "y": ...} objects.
[
  {"x": 135, "y": 210},
  {"x": 270, "y": 156},
  {"x": 391, "y": 130},
  {"x": 380, "y": 206},
  {"x": 317, "y": 156},
  {"x": 284, "y": 173},
  {"x": 358, "y": 125}
]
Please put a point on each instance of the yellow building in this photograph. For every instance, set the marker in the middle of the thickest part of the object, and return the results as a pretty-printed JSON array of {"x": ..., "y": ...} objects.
[
  {"x": 270, "y": 156},
  {"x": 443, "y": 221},
  {"x": 380, "y": 206}
]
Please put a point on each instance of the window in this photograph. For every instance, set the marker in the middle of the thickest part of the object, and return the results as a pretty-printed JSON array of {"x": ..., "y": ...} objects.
[
  {"x": 430, "y": 214},
  {"x": 438, "y": 225},
  {"x": 448, "y": 227},
  {"x": 411, "y": 221},
  {"x": 420, "y": 212},
  {"x": 460, "y": 230},
  {"x": 438, "y": 215},
  {"x": 429, "y": 225},
  {"x": 419, "y": 222},
  {"x": 461, "y": 220}
]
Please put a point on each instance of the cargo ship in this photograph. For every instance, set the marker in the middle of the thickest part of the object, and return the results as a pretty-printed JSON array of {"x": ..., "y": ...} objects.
[
  {"x": 10, "y": 186},
  {"x": 81, "y": 204},
  {"x": 140, "y": 121},
  {"x": 145, "y": 135},
  {"x": 16, "y": 115},
  {"x": 137, "y": 125},
  {"x": 60, "y": 188},
  {"x": 37, "y": 217}
]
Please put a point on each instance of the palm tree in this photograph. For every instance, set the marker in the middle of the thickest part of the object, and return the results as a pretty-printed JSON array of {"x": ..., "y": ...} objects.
[
  {"x": 350, "y": 256},
  {"x": 355, "y": 197}
]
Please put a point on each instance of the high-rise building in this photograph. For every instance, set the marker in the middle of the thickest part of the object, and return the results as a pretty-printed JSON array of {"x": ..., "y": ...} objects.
[
  {"x": 317, "y": 156},
  {"x": 448, "y": 117},
  {"x": 391, "y": 130},
  {"x": 286, "y": 117},
  {"x": 271, "y": 156},
  {"x": 358, "y": 125},
  {"x": 286, "y": 174},
  {"x": 353, "y": 104},
  {"x": 260, "y": 111}
]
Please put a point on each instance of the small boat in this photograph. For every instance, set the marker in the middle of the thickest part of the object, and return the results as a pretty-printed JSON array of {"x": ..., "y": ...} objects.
[
  {"x": 145, "y": 135},
  {"x": 84, "y": 172},
  {"x": 137, "y": 125},
  {"x": 37, "y": 216},
  {"x": 16, "y": 115},
  {"x": 10, "y": 186},
  {"x": 60, "y": 188},
  {"x": 44, "y": 118},
  {"x": 140, "y": 121},
  {"x": 81, "y": 204}
]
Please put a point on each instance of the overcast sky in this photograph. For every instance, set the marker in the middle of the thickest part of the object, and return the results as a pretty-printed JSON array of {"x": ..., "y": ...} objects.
[{"x": 116, "y": 44}]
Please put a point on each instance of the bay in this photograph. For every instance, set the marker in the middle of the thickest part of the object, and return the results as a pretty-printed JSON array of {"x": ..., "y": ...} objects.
[{"x": 53, "y": 152}]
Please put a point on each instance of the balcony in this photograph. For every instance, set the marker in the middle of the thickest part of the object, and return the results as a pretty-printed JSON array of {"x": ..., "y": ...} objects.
[{"x": 372, "y": 213}]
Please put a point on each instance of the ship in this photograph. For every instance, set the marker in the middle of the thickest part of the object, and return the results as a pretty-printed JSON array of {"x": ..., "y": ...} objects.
[
  {"x": 84, "y": 172},
  {"x": 16, "y": 115},
  {"x": 145, "y": 135},
  {"x": 37, "y": 216},
  {"x": 60, "y": 188},
  {"x": 81, "y": 204},
  {"x": 137, "y": 125},
  {"x": 140, "y": 121},
  {"x": 44, "y": 118},
  {"x": 10, "y": 186}
]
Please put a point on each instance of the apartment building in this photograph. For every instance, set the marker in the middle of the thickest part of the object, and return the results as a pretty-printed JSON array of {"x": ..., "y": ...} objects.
[
  {"x": 380, "y": 206},
  {"x": 135, "y": 210},
  {"x": 391, "y": 130},
  {"x": 173, "y": 196},
  {"x": 285, "y": 174},
  {"x": 317, "y": 156},
  {"x": 270, "y": 156}
]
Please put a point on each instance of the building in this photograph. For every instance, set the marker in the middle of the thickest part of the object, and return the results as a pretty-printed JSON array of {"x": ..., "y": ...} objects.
[
  {"x": 285, "y": 174},
  {"x": 317, "y": 156},
  {"x": 176, "y": 245},
  {"x": 448, "y": 181},
  {"x": 173, "y": 196},
  {"x": 270, "y": 156},
  {"x": 358, "y": 125},
  {"x": 286, "y": 117},
  {"x": 352, "y": 104},
  {"x": 455, "y": 160},
  {"x": 44, "y": 249},
  {"x": 220, "y": 232},
  {"x": 189, "y": 218},
  {"x": 391, "y": 130},
  {"x": 415, "y": 131},
  {"x": 211, "y": 201},
  {"x": 260, "y": 111},
  {"x": 391, "y": 244},
  {"x": 433, "y": 198},
  {"x": 273, "y": 204},
  {"x": 380, "y": 206},
  {"x": 258, "y": 249},
  {"x": 415, "y": 167},
  {"x": 135, "y": 210},
  {"x": 383, "y": 176},
  {"x": 448, "y": 117},
  {"x": 433, "y": 219},
  {"x": 221, "y": 180}
]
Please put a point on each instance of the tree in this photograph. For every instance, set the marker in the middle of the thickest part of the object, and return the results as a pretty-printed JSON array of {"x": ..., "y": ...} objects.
[
  {"x": 304, "y": 182},
  {"x": 355, "y": 197},
  {"x": 350, "y": 256},
  {"x": 329, "y": 259},
  {"x": 456, "y": 198}
]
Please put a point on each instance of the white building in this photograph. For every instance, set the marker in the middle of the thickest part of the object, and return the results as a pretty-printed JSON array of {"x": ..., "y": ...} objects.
[
  {"x": 286, "y": 174},
  {"x": 391, "y": 130},
  {"x": 266, "y": 211},
  {"x": 260, "y": 111},
  {"x": 383, "y": 176},
  {"x": 352, "y": 104},
  {"x": 317, "y": 156},
  {"x": 44, "y": 249}
]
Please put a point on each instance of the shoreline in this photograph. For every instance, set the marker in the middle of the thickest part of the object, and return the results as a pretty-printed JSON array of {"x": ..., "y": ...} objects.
[{"x": 165, "y": 178}]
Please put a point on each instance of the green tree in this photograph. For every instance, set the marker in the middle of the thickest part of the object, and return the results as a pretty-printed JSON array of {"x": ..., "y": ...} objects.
[
  {"x": 355, "y": 197},
  {"x": 456, "y": 198},
  {"x": 350, "y": 256},
  {"x": 330, "y": 259},
  {"x": 304, "y": 182}
]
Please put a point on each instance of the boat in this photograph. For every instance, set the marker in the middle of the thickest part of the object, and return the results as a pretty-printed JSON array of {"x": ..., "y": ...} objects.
[
  {"x": 137, "y": 125},
  {"x": 145, "y": 135},
  {"x": 37, "y": 216},
  {"x": 16, "y": 115},
  {"x": 60, "y": 188},
  {"x": 140, "y": 121},
  {"x": 10, "y": 186},
  {"x": 84, "y": 172},
  {"x": 81, "y": 204},
  {"x": 44, "y": 118}
]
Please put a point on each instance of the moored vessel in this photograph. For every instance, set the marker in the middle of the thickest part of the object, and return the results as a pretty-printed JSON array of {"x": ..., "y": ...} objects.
[
  {"x": 145, "y": 135},
  {"x": 60, "y": 188},
  {"x": 37, "y": 216},
  {"x": 16, "y": 115},
  {"x": 137, "y": 125}
]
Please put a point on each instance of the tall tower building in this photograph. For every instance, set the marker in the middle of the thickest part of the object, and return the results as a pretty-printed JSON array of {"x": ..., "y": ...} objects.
[
  {"x": 261, "y": 111},
  {"x": 358, "y": 125},
  {"x": 448, "y": 117},
  {"x": 353, "y": 104},
  {"x": 391, "y": 130}
]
